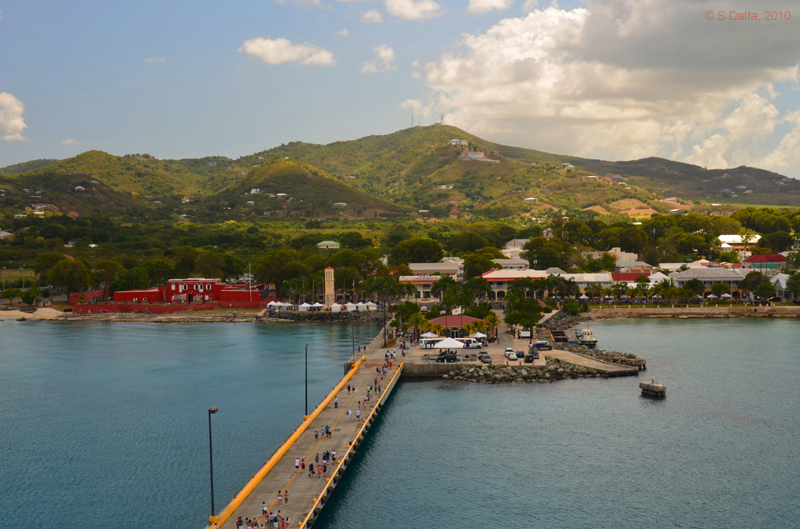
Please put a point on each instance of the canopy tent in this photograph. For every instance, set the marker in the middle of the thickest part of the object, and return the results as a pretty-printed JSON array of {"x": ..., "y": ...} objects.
[
  {"x": 429, "y": 335},
  {"x": 477, "y": 335},
  {"x": 273, "y": 303},
  {"x": 712, "y": 296},
  {"x": 304, "y": 307},
  {"x": 317, "y": 305},
  {"x": 726, "y": 296},
  {"x": 336, "y": 308},
  {"x": 371, "y": 306},
  {"x": 361, "y": 306},
  {"x": 584, "y": 297},
  {"x": 699, "y": 296},
  {"x": 350, "y": 307},
  {"x": 449, "y": 343}
]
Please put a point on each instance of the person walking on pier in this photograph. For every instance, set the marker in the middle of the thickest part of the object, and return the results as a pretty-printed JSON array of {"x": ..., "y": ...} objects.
[
  {"x": 311, "y": 470},
  {"x": 316, "y": 436},
  {"x": 286, "y": 497},
  {"x": 335, "y": 402},
  {"x": 358, "y": 415},
  {"x": 319, "y": 471},
  {"x": 348, "y": 389},
  {"x": 333, "y": 455},
  {"x": 263, "y": 508},
  {"x": 348, "y": 414},
  {"x": 280, "y": 497},
  {"x": 296, "y": 464}
]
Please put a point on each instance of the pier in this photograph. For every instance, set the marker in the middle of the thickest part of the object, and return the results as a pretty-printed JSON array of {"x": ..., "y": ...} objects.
[{"x": 308, "y": 495}]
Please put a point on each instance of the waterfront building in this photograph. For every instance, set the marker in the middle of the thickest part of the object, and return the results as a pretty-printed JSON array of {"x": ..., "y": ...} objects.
[
  {"x": 513, "y": 248},
  {"x": 499, "y": 280},
  {"x": 454, "y": 325},
  {"x": 710, "y": 276},
  {"x": 422, "y": 283},
  {"x": 193, "y": 289},
  {"x": 781, "y": 284},
  {"x": 604, "y": 279}
]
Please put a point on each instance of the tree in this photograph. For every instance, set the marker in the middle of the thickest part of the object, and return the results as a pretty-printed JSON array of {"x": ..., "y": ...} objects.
[
  {"x": 594, "y": 290},
  {"x": 492, "y": 321},
  {"x": 477, "y": 264},
  {"x": 69, "y": 276},
  {"x": 719, "y": 289},
  {"x": 353, "y": 239},
  {"x": 696, "y": 286},
  {"x": 45, "y": 261},
  {"x": 572, "y": 307},
  {"x": 765, "y": 290},
  {"x": 442, "y": 285},
  {"x": 209, "y": 264},
  {"x": 11, "y": 293},
  {"x": 416, "y": 320},
  {"x": 105, "y": 273},
  {"x": 159, "y": 271},
  {"x": 30, "y": 295},
  {"x": 467, "y": 241},
  {"x": 546, "y": 253},
  {"x": 185, "y": 261},
  {"x": 619, "y": 289},
  {"x": 133, "y": 279},
  {"x": 234, "y": 266},
  {"x": 416, "y": 250},
  {"x": 793, "y": 284},
  {"x": 751, "y": 281}
]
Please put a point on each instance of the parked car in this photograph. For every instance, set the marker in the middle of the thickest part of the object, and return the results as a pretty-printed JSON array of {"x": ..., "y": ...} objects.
[
  {"x": 511, "y": 355},
  {"x": 520, "y": 354},
  {"x": 484, "y": 358},
  {"x": 449, "y": 356},
  {"x": 509, "y": 350},
  {"x": 542, "y": 345},
  {"x": 531, "y": 356}
]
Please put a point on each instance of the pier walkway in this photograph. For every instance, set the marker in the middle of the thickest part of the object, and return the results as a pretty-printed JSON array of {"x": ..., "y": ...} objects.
[{"x": 307, "y": 494}]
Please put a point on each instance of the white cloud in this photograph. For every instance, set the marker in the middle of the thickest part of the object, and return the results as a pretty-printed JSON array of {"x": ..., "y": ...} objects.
[
  {"x": 315, "y": 3},
  {"x": 413, "y": 104},
  {"x": 1, "y": 15},
  {"x": 615, "y": 80},
  {"x": 343, "y": 33},
  {"x": 373, "y": 16},
  {"x": 152, "y": 60},
  {"x": 413, "y": 9},
  {"x": 12, "y": 124},
  {"x": 279, "y": 51},
  {"x": 384, "y": 60},
  {"x": 70, "y": 142},
  {"x": 478, "y": 7},
  {"x": 530, "y": 5}
]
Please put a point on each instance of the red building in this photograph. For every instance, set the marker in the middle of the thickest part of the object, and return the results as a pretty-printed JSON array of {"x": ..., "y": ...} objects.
[
  {"x": 193, "y": 290},
  {"x": 628, "y": 277},
  {"x": 88, "y": 297}
]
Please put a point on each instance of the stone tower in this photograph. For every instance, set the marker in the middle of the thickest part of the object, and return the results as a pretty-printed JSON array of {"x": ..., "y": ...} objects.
[{"x": 330, "y": 293}]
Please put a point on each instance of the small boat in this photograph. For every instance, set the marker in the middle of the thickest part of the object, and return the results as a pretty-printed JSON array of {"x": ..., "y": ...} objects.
[{"x": 587, "y": 338}]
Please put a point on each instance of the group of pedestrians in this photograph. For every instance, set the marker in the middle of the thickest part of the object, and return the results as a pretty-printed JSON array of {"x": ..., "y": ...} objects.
[{"x": 268, "y": 520}]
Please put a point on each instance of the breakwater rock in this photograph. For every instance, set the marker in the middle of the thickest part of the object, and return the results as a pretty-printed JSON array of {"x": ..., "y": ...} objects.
[
  {"x": 317, "y": 317},
  {"x": 562, "y": 320},
  {"x": 500, "y": 374}
]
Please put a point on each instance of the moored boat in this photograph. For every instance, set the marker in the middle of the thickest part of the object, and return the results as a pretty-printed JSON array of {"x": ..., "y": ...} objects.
[{"x": 587, "y": 338}]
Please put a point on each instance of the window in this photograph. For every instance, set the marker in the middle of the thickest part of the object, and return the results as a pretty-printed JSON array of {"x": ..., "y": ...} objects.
[
  {"x": 208, "y": 286},
  {"x": 173, "y": 287},
  {"x": 144, "y": 299}
]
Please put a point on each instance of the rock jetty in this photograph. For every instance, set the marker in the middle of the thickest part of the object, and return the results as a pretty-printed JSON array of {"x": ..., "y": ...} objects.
[
  {"x": 612, "y": 357},
  {"x": 500, "y": 374}
]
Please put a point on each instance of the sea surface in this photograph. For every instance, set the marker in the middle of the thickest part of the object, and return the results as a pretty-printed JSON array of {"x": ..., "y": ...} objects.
[
  {"x": 721, "y": 451},
  {"x": 105, "y": 424}
]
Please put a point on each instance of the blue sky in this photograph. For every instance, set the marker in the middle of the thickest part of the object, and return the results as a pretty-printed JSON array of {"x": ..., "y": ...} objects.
[{"x": 601, "y": 78}]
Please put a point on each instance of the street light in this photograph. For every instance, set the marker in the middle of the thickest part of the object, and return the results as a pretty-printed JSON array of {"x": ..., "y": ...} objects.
[
  {"x": 22, "y": 273},
  {"x": 211, "y": 460}
]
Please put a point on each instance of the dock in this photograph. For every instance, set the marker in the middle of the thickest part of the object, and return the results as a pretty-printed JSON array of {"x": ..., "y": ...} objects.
[{"x": 607, "y": 369}]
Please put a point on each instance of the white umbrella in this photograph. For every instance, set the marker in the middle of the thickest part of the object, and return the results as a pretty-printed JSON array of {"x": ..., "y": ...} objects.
[
  {"x": 449, "y": 343},
  {"x": 699, "y": 296},
  {"x": 477, "y": 335},
  {"x": 429, "y": 335},
  {"x": 272, "y": 303}
]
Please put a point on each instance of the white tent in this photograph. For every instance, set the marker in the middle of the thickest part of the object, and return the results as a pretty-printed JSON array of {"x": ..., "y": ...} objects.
[
  {"x": 429, "y": 335},
  {"x": 726, "y": 296},
  {"x": 317, "y": 305},
  {"x": 449, "y": 343},
  {"x": 712, "y": 296},
  {"x": 371, "y": 306},
  {"x": 350, "y": 307},
  {"x": 584, "y": 297},
  {"x": 477, "y": 335},
  {"x": 304, "y": 307},
  {"x": 273, "y": 304},
  {"x": 336, "y": 308},
  {"x": 361, "y": 306}
]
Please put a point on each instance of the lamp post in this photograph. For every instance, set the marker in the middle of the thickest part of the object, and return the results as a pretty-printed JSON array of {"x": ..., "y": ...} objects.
[
  {"x": 211, "y": 459},
  {"x": 384, "y": 323},
  {"x": 306, "y": 416},
  {"x": 22, "y": 273}
]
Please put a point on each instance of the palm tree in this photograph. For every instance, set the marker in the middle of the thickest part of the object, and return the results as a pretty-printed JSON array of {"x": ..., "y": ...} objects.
[
  {"x": 595, "y": 290},
  {"x": 437, "y": 328},
  {"x": 493, "y": 322},
  {"x": 442, "y": 285},
  {"x": 416, "y": 320}
]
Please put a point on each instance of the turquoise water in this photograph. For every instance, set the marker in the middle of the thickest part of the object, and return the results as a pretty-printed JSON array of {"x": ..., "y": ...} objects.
[
  {"x": 722, "y": 450},
  {"x": 105, "y": 424}
]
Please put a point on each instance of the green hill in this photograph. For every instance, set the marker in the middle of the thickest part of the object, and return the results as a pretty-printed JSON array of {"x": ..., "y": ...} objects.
[
  {"x": 13, "y": 170},
  {"x": 290, "y": 187},
  {"x": 409, "y": 167}
]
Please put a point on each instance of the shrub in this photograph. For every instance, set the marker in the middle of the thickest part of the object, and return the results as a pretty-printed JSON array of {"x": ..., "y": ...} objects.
[{"x": 572, "y": 307}]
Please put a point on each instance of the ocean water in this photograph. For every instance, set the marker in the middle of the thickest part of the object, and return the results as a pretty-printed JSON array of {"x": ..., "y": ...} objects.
[
  {"x": 106, "y": 424},
  {"x": 722, "y": 450}
]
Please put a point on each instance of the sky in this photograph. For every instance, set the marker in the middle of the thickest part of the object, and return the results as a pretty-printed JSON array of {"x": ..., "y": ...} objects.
[{"x": 608, "y": 79}]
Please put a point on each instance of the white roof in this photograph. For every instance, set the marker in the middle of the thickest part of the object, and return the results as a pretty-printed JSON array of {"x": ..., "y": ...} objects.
[
  {"x": 317, "y": 305},
  {"x": 510, "y": 275},
  {"x": 429, "y": 335},
  {"x": 597, "y": 277},
  {"x": 737, "y": 239},
  {"x": 450, "y": 343},
  {"x": 658, "y": 277},
  {"x": 477, "y": 335},
  {"x": 306, "y": 305}
]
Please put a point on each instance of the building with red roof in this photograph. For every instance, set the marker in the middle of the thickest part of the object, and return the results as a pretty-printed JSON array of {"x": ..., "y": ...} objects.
[{"x": 772, "y": 261}]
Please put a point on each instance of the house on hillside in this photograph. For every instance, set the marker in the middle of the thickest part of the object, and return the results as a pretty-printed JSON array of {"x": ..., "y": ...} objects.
[
  {"x": 459, "y": 143},
  {"x": 80, "y": 188},
  {"x": 781, "y": 284},
  {"x": 531, "y": 200},
  {"x": 513, "y": 248},
  {"x": 512, "y": 264},
  {"x": 710, "y": 276},
  {"x": 765, "y": 262}
]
